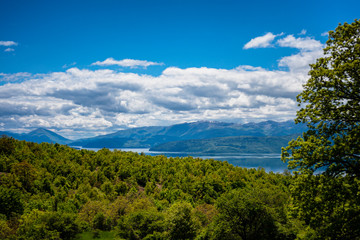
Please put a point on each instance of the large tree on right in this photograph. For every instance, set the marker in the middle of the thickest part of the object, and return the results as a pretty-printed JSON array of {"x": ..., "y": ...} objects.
[{"x": 326, "y": 159}]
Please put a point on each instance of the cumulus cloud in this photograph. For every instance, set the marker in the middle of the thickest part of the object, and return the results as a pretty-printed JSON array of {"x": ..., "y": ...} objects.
[
  {"x": 310, "y": 50},
  {"x": 324, "y": 34},
  {"x": 91, "y": 102},
  {"x": 21, "y": 76},
  {"x": 112, "y": 99},
  {"x": 9, "y": 50},
  {"x": 299, "y": 43},
  {"x": 131, "y": 63},
  {"x": 300, "y": 62},
  {"x": 261, "y": 42},
  {"x": 303, "y": 32},
  {"x": 8, "y": 43}
]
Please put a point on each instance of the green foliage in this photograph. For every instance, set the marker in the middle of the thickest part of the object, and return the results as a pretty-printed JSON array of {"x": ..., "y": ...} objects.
[
  {"x": 244, "y": 215},
  {"x": 236, "y": 145},
  {"x": 325, "y": 193},
  {"x": 315, "y": 195},
  {"x": 47, "y": 225},
  {"x": 7, "y": 146},
  {"x": 102, "y": 235},
  {"x": 51, "y": 191},
  {"x": 101, "y": 222},
  {"x": 5, "y": 230},
  {"x": 10, "y": 201},
  {"x": 90, "y": 209},
  {"x": 332, "y": 108},
  {"x": 25, "y": 173},
  {"x": 141, "y": 224},
  {"x": 181, "y": 223}
]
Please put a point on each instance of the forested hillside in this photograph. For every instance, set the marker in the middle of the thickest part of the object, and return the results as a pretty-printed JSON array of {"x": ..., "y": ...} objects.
[
  {"x": 234, "y": 145},
  {"x": 147, "y": 137},
  {"x": 51, "y": 191},
  {"x": 38, "y": 135}
]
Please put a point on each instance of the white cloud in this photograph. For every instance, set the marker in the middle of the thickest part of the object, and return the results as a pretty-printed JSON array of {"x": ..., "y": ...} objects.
[
  {"x": 324, "y": 34},
  {"x": 300, "y": 62},
  {"x": 303, "y": 32},
  {"x": 12, "y": 77},
  {"x": 261, "y": 42},
  {"x": 69, "y": 65},
  {"x": 310, "y": 50},
  {"x": 8, "y": 43},
  {"x": 9, "y": 50},
  {"x": 101, "y": 101},
  {"x": 106, "y": 100},
  {"x": 132, "y": 63},
  {"x": 299, "y": 43}
]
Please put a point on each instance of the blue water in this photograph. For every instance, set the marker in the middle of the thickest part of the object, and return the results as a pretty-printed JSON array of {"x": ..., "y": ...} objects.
[{"x": 270, "y": 162}]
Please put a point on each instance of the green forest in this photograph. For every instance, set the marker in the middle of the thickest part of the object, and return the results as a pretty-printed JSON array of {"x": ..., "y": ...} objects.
[{"x": 52, "y": 191}]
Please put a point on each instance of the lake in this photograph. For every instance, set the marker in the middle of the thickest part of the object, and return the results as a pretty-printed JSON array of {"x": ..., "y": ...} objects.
[{"x": 270, "y": 162}]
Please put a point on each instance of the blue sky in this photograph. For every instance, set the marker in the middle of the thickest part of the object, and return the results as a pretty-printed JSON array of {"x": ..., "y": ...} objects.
[{"x": 83, "y": 68}]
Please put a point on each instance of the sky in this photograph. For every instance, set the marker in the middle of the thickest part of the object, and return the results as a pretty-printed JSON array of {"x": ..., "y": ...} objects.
[{"x": 85, "y": 68}]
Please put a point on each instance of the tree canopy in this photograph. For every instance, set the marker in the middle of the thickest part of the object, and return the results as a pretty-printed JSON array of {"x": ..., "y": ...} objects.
[
  {"x": 330, "y": 105},
  {"x": 52, "y": 191},
  {"x": 326, "y": 159}
]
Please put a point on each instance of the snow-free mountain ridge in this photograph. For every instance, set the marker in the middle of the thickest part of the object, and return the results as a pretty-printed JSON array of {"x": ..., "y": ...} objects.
[
  {"x": 165, "y": 137},
  {"x": 39, "y": 135}
]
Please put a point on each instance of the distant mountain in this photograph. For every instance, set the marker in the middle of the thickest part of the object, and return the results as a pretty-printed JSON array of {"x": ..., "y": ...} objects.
[
  {"x": 154, "y": 136},
  {"x": 148, "y": 137},
  {"x": 227, "y": 145},
  {"x": 39, "y": 135},
  {"x": 10, "y": 134},
  {"x": 131, "y": 138}
]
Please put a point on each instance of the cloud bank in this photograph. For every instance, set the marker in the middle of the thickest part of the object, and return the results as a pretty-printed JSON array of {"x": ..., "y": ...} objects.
[{"x": 85, "y": 102}]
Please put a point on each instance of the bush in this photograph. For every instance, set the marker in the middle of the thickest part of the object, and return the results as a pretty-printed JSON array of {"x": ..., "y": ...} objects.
[
  {"x": 141, "y": 224},
  {"x": 10, "y": 201},
  {"x": 39, "y": 225}
]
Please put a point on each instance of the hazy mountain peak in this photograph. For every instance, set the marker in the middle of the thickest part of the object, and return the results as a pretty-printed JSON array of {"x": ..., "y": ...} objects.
[{"x": 41, "y": 131}]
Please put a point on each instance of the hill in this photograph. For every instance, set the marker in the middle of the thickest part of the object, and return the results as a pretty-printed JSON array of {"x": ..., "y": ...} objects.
[
  {"x": 178, "y": 136},
  {"x": 147, "y": 137},
  {"x": 53, "y": 191},
  {"x": 223, "y": 145},
  {"x": 39, "y": 135}
]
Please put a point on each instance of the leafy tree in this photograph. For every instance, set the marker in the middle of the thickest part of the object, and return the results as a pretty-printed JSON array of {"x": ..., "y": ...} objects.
[
  {"x": 242, "y": 215},
  {"x": 47, "y": 225},
  {"x": 10, "y": 201},
  {"x": 328, "y": 205},
  {"x": 181, "y": 222},
  {"x": 141, "y": 224},
  {"x": 90, "y": 210},
  {"x": 101, "y": 222},
  {"x": 26, "y": 174},
  {"x": 326, "y": 193},
  {"x": 7, "y": 145},
  {"x": 332, "y": 109},
  {"x": 5, "y": 231}
]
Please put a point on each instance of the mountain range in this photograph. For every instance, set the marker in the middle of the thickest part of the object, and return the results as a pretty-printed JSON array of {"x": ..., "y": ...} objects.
[
  {"x": 207, "y": 136},
  {"x": 39, "y": 135},
  {"x": 227, "y": 145}
]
